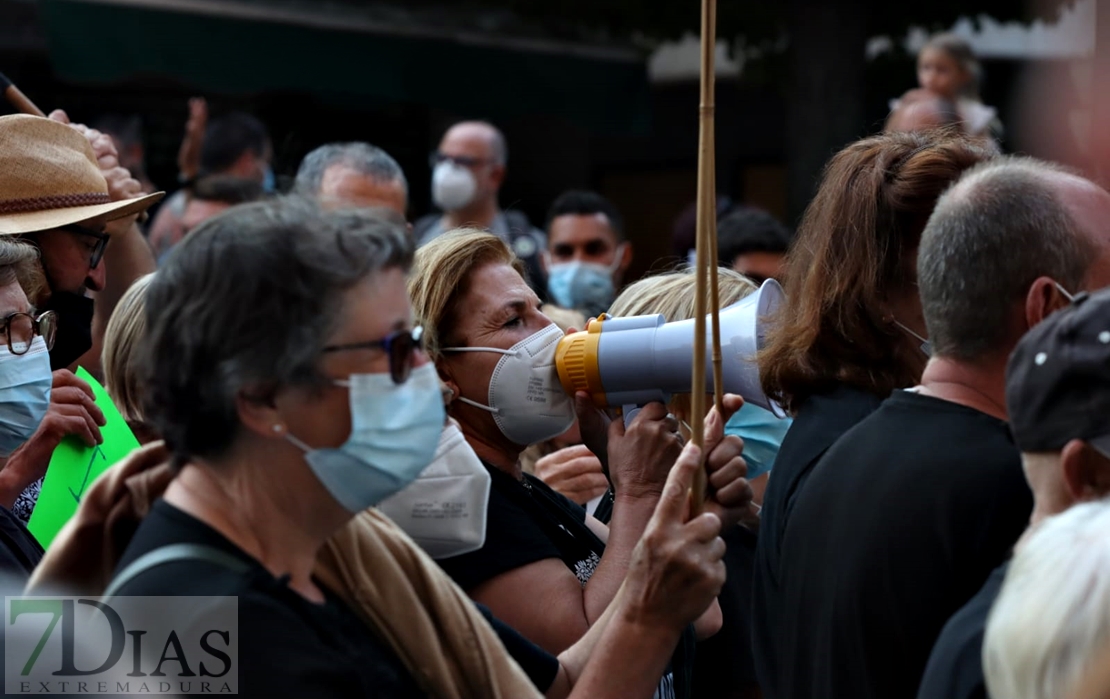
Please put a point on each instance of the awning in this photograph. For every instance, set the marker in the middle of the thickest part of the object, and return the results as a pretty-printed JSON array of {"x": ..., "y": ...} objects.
[{"x": 247, "y": 48}]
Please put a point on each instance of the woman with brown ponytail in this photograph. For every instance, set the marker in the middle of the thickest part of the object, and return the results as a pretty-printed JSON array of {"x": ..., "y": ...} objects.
[{"x": 851, "y": 330}]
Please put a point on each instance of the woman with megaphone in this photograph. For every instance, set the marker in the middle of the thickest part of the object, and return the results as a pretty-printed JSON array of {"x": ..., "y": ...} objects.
[{"x": 547, "y": 568}]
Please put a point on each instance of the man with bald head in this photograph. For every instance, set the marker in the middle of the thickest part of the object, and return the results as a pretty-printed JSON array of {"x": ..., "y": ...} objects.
[
  {"x": 468, "y": 169},
  {"x": 905, "y": 516}
]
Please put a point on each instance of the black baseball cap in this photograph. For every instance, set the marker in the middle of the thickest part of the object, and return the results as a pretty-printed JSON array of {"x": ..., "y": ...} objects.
[{"x": 1058, "y": 379}]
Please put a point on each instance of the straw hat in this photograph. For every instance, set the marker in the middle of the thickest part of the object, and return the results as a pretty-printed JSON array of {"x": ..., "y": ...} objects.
[{"x": 49, "y": 178}]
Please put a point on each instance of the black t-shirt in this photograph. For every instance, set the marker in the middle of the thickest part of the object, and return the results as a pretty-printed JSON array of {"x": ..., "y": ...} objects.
[
  {"x": 955, "y": 669},
  {"x": 724, "y": 667},
  {"x": 898, "y": 526},
  {"x": 820, "y": 421},
  {"x": 288, "y": 646},
  {"x": 527, "y": 522},
  {"x": 20, "y": 552}
]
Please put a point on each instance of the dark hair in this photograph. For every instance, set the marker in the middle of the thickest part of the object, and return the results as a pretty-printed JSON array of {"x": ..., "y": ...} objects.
[
  {"x": 361, "y": 157},
  {"x": 990, "y": 237},
  {"x": 748, "y": 229},
  {"x": 579, "y": 202},
  {"x": 857, "y": 244},
  {"x": 227, "y": 189},
  {"x": 245, "y": 305},
  {"x": 228, "y": 137}
]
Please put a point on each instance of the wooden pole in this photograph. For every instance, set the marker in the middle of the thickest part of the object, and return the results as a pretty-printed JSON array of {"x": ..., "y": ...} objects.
[
  {"x": 706, "y": 220},
  {"x": 20, "y": 101}
]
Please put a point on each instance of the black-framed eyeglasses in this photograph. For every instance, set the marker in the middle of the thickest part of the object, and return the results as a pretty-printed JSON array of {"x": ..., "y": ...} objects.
[
  {"x": 96, "y": 252},
  {"x": 20, "y": 330},
  {"x": 461, "y": 160},
  {"x": 400, "y": 346}
]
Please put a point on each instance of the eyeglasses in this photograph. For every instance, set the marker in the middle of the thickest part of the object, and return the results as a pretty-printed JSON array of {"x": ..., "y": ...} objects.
[
  {"x": 461, "y": 160},
  {"x": 96, "y": 252},
  {"x": 20, "y": 330},
  {"x": 400, "y": 346}
]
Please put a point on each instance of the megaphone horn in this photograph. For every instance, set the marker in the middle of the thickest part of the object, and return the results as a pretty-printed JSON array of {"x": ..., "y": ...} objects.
[{"x": 640, "y": 359}]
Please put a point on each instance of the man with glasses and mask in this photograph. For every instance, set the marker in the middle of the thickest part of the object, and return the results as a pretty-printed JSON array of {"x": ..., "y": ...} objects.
[
  {"x": 905, "y": 517},
  {"x": 468, "y": 169},
  {"x": 63, "y": 192}
]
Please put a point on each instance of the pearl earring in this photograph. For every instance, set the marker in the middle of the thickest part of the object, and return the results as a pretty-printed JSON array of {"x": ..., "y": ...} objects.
[{"x": 278, "y": 429}]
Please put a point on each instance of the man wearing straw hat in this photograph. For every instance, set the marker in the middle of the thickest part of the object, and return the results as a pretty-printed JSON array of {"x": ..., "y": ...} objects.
[{"x": 62, "y": 190}]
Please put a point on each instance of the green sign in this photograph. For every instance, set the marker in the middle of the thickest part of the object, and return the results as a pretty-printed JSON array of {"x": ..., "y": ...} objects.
[{"x": 75, "y": 466}]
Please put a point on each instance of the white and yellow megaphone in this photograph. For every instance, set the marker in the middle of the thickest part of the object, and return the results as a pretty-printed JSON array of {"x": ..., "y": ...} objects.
[{"x": 625, "y": 362}]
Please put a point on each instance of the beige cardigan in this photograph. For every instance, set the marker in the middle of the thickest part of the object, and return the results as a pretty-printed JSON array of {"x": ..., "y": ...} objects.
[{"x": 401, "y": 593}]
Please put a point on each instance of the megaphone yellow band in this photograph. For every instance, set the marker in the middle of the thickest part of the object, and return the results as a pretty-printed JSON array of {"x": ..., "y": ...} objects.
[{"x": 577, "y": 363}]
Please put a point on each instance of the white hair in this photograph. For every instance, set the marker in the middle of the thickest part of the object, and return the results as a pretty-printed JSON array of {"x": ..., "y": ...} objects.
[{"x": 1052, "y": 618}]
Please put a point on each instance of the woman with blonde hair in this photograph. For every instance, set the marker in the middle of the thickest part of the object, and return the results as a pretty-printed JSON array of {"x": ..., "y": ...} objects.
[
  {"x": 724, "y": 666},
  {"x": 495, "y": 350},
  {"x": 123, "y": 340}
]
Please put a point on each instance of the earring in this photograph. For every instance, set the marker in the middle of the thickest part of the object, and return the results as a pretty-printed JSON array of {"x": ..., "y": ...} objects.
[{"x": 278, "y": 429}]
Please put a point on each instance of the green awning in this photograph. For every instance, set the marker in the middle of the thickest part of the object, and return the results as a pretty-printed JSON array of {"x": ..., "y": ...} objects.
[{"x": 103, "y": 42}]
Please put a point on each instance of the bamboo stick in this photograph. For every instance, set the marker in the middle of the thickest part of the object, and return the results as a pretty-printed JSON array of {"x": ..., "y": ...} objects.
[
  {"x": 706, "y": 218},
  {"x": 17, "y": 99}
]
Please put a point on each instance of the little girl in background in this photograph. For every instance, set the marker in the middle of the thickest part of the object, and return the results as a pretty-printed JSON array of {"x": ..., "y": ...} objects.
[{"x": 948, "y": 68}]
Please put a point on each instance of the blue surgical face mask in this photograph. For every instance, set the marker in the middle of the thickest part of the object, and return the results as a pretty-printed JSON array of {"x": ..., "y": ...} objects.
[
  {"x": 584, "y": 286},
  {"x": 25, "y": 381},
  {"x": 394, "y": 433},
  {"x": 762, "y": 433},
  {"x": 269, "y": 182}
]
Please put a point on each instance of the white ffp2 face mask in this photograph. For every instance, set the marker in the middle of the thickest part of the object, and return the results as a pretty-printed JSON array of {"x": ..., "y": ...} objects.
[
  {"x": 444, "y": 509},
  {"x": 453, "y": 186},
  {"x": 527, "y": 401}
]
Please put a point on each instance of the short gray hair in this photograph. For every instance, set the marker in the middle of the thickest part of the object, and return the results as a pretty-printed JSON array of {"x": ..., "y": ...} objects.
[
  {"x": 244, "y": 305},
  {"x": 992, "y": 234},
  {"x": 358, "y": 156},
  {"x": 1048, "y": 626}
]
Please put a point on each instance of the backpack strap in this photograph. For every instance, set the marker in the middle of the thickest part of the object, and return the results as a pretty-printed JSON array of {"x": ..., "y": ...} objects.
[{"x": 173, "y": 553}]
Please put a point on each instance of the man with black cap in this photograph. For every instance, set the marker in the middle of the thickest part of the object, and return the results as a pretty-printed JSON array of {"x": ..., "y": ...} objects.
[
  {"x": 1058, "y": 397},
  {"x": 61, "y": 189}
]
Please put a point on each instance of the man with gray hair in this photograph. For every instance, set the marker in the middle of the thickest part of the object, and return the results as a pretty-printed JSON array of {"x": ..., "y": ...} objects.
[
  {"x": 1058, "y": 396},
  {"x": 468, "y": 169},
  {"x": 906, "y": 515},
  {"x": 353, "y": 174}
]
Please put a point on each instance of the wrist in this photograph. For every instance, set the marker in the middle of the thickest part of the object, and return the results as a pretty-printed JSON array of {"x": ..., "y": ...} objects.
[{"x": 637, "y": 492}]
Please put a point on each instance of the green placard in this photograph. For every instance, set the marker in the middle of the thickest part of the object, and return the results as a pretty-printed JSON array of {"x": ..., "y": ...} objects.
[{"x": 75, "y": 466}]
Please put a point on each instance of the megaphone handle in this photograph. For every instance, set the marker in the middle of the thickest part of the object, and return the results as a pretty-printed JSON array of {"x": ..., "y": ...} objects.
[{"x": 629, "y": 412}]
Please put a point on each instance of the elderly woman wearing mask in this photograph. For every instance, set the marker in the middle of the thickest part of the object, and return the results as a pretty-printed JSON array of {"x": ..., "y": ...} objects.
[
  {"x": 495, "y": 350},
  {"x": 317, "y": 406},
  {"x": 25, "y": 384}
]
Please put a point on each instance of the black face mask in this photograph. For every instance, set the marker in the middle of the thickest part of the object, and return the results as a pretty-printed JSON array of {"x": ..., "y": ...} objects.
[{"x": 74, "y": 337}]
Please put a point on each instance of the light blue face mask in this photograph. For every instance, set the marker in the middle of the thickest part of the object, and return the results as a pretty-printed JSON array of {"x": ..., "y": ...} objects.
[
  {"x": 584, "y": 286},
  {"x": 25, "y": 381},
  {"x": 762, "y": 433},
  {"x": 395, "y": 430},
  {"x": 269, "y": 182}
]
